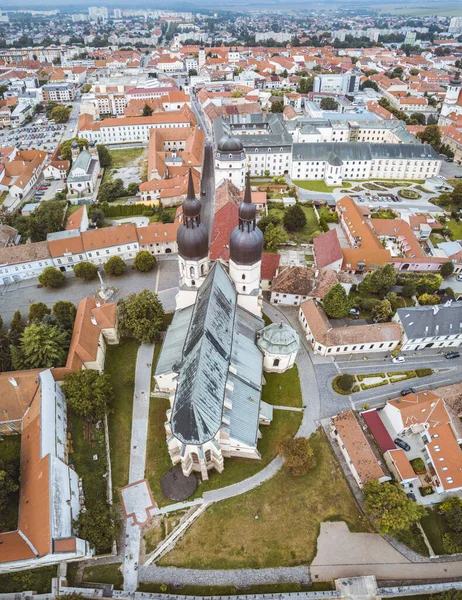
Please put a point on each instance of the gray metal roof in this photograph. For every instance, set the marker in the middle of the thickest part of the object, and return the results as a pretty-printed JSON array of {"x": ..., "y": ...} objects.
[
  {"x": 349, "y": 151},
  {"x": 198, "y": 405},
  {"x": 278, "y": 338},
  {"x": 82, "y": 161},
  {"x": 431, "y": 321},
  {"x": 172, "y": 348}
]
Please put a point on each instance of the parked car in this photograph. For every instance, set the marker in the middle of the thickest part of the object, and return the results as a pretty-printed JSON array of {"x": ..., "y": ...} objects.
[
  {"x": 398, "y": 359},
  {"x": 452, "y": 355},
  {"x": 406, "y": 391},
  {"x": 402, "y": 444},
  {"x": 459, "y": 277},
  {"x": 355, "y": 312}
]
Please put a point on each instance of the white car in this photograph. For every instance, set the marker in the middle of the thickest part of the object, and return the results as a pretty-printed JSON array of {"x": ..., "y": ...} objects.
[{"x": 398, "y": 359}]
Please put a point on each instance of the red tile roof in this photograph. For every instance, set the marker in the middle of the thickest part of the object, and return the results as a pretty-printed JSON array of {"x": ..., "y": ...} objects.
[
  {"x": 269, "y": 265},
  {"x": 327, "y": 249},
  {"x": 225, "y": 220}
]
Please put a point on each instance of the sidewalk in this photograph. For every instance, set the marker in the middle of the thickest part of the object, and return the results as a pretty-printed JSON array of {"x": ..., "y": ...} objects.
[{"x": 138, "y": 442}]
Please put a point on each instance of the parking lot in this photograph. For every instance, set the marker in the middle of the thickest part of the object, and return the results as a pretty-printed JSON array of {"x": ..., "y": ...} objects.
[{"x": 37, "y": 135}]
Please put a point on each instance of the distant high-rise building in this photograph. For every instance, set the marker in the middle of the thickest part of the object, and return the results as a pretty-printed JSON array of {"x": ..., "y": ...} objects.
[
  {"x": 411, "y": 37},
  {"x": 98, "y": 13},
  {"x": 346, "y": 83},
  {"x": 117, "y": 13},
  {"x": 455, "y": 25},
  {"x": 4, "y": 18}
]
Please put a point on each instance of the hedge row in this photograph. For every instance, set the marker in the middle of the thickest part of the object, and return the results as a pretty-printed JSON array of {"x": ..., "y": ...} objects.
[
  {"x": 361, "y": 377},
  {"x": 373, "y": 385},
  {"x": 123, "y": 210}
]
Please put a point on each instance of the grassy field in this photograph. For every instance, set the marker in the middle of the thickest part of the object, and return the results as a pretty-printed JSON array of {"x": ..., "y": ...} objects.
[
  {"x": 158, "y": 461},
  {"x": 434, "y": 526},
  {"x": 37, "y": 580},
  {"x": 283, "y": 389},
  {"x": 120, "y": 366},
  {"x": 125, "y": 157},
  {"x": 209, "y": 590},
  {"x": 456, "y": 228},
  {"x": 10, "y": 453},
  {"x": 312, "y": 225},
  {"x": 104, "y": 574},
  {"x": 316, "y": 185},
  {"x": 289, "y": 510}
]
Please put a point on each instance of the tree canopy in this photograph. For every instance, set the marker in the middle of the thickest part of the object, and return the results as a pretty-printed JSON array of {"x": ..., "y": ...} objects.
[
  {"x": 88, "y": 393},
  {"x": 65, "y": 149},
  {"x": 298, "y": 454},
  {"x": 336, "y": 303},
  {"x": 41, "y": 346},
  {"x": 141, "y": 316},
  {"x": 389, "y": 507},
  {"x": 52, "y": 278},
  {"x": 379, "y": 281},
  {"x": 328, "y": 104},
  {"x": 115, "y": 266},
  {"x": 64, "y": 313},
  {"x": 294, "y": 218},
  {"x": 37, "y": 311},
  {"x": 274, "y": 236},
  {"x": 144, "y": 261}
]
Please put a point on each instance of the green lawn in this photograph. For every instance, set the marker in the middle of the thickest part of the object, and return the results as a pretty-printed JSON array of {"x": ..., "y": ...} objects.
[
  {"x": 414, "y": 540},
  {"x": 317, "y": 185},
  {"x": 36, "y": 580},
  {"x": 104, "y": 574},
  {"x": 229, "y": 590},
  {"x": 434, "y": 526},
  {"x": 289, "y": 510},
  {"x": 125, "y": 157},
  {"x": 267, "y": 320},
  {"x": 120, "y": 366},
  {"x": 10, "y": 453},
  {"x": 456, "y": 228},
  {"x": 283, "y": 389}
]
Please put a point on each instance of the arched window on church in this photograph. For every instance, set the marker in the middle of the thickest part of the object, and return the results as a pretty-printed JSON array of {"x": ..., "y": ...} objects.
[
  {"x": 202, "y": 269},
  {"x": 243, "y": 288},
  {"x": 243, "y": 275},
  {"x": 195, "y": 457},
  {"x": 276, "y": 362},
  {"x": 191, "y": 271}
]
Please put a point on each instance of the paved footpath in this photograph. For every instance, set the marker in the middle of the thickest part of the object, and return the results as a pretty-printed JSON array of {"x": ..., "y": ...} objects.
[{"x": 137, "y": 458}]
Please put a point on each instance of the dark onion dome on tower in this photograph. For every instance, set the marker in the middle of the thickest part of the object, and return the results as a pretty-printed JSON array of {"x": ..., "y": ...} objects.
[
  {"x": 246, "y": 243},
  {"x": 233, "y": 145},
  {"x": 456, "y": 79},
  {"x": 192, "y": 238}
]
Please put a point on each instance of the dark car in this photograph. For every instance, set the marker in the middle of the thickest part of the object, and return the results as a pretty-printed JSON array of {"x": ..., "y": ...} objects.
[
  {"x": 411, "y": 496},
  {"x": 399, "y": 442},
  {"x": 407, "y": 391},
  {"x": 452, "y": 355}
]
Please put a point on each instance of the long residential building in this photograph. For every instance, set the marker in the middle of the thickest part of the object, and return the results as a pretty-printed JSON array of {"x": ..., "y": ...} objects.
[
  {"x": 133, "y": 129},
  {"x": 65, "y": 249}
]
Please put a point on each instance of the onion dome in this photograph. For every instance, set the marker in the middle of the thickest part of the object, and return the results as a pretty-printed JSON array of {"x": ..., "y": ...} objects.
[
  {"x": 246, "y": 242},
  {"x": 456, "y": 79},
  {"x": 278, "y": 338},
  {"x": 74, "y": 145},
  {"x": 192, "y": 237},
  {"x": 230, "y": 144},
  {"x": 191, "y": 205}
]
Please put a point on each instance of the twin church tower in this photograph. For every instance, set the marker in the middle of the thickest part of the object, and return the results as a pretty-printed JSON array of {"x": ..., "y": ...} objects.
[{"x": 245, "y": 245}]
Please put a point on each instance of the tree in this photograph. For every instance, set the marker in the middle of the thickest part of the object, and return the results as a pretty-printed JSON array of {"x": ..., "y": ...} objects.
[
  {"x": 86, "y": 271},
  {"x": 328, "y": 104},
  {"x": 88, "y": 393},
  {"x": 111, "y": 190},
  {"x": 104, "y": 156},
  {"x": 64, "y": 313},
  {"x": 419, "y": 117},
  {"x": 270, "y": 219},
  {"x": 345, "y": 382},
  {"x": 305, "y": 85},
  {"x": 132, "y": 189},
  {"x": 16, "y": 329},
  {"x": 60, "y": 114},
  {"x": 430, "y": 135},
  {"x": 389, "y": 507},
  {"x": 37, "y": 311},
  {"x": 274, "y": 236},
  {"x": 141, "y": 316},
  {"x": 369, "y": 84},
  {"x": 65, "y": 148},
  {"x": 97, "y": 217},
  {"x": 336, "y": 302},
  {"x": 97, "y": 525},
  {"x": 298, "y": 454},
  {"x": 428, "y": 299},
  {"x": 382, "y": 312},
  {"x": 452, "y": 509},
  {"x": 85, "y": 88},
  {"x": 5, "y": 353},
  {"x": 456, "y": 194},
  {"x": 52, "y": 278},
  {"x": 8, "y": 485},
  {"x": 41, "y": 346},
  {"x": 144, "y": 261},
  {"x": 277, "y": 106},
  {"x": 447, "y": 269},
  {"x": 115, "y": 266},
  {"x": 147, "y": 111},
  {"x": 379, "y": 281},
  {"x": 294, "y": 218},
  {"x": 193, "y": 72}
]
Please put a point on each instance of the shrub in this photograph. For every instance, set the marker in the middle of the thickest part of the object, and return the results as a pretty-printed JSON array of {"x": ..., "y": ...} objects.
[
  {"x": 86, "y": 271},
  {"x": 418, "y": 465},
  {"x": 452, "y": 542},
  {"x": 299, "y": 455},
  {"x": 345, "y": 382},
  {"x": 366, "y": 406},
  {"x": 115, "y": 266},
  {"x": 426, "y": 491},
  {"x": 423, "y": 372},
  {"x": 52, "y": 278}
]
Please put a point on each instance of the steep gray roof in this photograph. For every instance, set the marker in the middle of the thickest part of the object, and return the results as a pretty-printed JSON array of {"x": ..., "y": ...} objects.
[
  {"x": 172, "y": 348},
  {"x": 346, "y": 151},
  {"x": 429, "y": 321}
]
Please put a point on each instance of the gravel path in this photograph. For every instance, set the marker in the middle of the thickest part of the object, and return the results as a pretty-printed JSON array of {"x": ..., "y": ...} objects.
[{"x": 237, "y": 577}]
